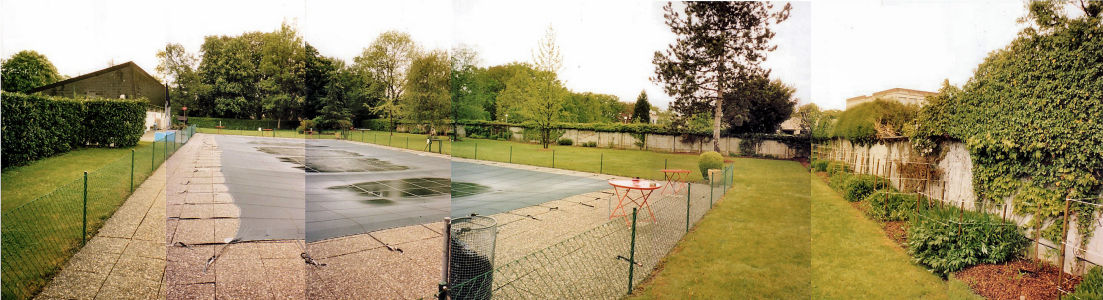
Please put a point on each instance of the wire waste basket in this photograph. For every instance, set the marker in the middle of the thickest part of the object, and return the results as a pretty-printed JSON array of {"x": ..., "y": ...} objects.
[{"x": 471, "y": 257}]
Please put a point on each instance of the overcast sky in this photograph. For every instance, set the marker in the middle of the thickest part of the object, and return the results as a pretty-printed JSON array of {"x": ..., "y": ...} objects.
[{"x": 828, "y": 51}]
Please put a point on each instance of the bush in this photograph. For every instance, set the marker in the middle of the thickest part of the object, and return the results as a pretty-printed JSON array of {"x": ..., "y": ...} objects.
[
  {"x": 867, "y": 122},
  {"x": 836, "y": 167},
  {"x": 889, "y": 206},
  {"x": 838, "y": 180},
  {"x": 589, "y": 144},
  {"x": 819, "y": 166},
  {"x": 114, "y": 122},
  {"x": 934, "y": 241},
  {"x": 241, "y": 124},
  {"x": 1091, "y": 287},
  {"x": 38, "y": 126},
  {"x": 565, "y": 142},
  {"x": 709, "y": 160},
  {"x": 859, "y": 186},
  {"x": 305, "y": 125}
]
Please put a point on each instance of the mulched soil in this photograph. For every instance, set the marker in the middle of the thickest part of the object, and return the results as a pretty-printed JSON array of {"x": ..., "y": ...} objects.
[
  {"x": 1003, "y": 281},
  {"x": 897, "y": 231}
]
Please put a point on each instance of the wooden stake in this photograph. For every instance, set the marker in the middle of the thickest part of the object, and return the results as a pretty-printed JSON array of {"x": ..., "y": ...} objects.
[{"x": 1064, "y": 242}]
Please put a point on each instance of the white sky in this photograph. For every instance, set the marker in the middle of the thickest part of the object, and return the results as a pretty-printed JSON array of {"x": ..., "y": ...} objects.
[
  {"x": 829, "y": 50},
  {"x": 862, "y": 47}
]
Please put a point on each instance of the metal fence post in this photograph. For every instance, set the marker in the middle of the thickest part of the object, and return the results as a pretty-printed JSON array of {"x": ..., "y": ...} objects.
[
  {"x": 689, "y": 189},
  {"x": 84, "y": 215},
  {"x": 511, "y": 154},
  {"x": 476, "y": 150},
  {"x": 632, "y": 252},
  {"x": 712, "y": 191},
  {"x": 152, "y": 157},
  {"x": 407, "y": 142},
  {"x": 601, "y": 163},
  {"x": 131, "y": 170},
  {"x": 553, "y": 158},
  {"x": 665, "y": 161}
]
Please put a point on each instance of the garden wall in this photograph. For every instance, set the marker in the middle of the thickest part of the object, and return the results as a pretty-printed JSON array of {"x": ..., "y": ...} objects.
[{"x": 956, "y": 189}]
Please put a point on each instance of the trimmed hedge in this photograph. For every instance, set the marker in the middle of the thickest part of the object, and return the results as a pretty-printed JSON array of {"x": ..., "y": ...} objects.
[
  {"x": 886, "y": 206},
  {"x": 38, "y": 126},
  {"x": 242, "y": 124},
  {"x": 859, "y": 186},
  {"x": 709, "y": 160}
]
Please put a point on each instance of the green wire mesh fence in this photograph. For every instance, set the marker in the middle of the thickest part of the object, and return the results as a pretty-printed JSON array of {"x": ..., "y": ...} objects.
[
  {"x": 603, "y": 262},
  {"x": 41, "y": 235}
]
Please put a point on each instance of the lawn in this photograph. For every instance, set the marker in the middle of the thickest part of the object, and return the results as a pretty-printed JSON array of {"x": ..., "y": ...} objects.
[
  {"x": 852, "y": 257},
  {"x": 753, "y": 244},
  {"x": 43, "y": 207},
  {"x": 397, "y": 139},
  {"x": 629, "y": 163}
]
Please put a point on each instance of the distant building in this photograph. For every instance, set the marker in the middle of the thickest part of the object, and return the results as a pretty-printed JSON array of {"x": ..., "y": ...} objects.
[
  {"x": 124, "y": 81},
  {"x": 905, "y": 96},
  {"x": 790, "y": 126}
]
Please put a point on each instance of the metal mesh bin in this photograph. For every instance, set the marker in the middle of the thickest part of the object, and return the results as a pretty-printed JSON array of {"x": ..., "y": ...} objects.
[{"x": 471, "y": 257}]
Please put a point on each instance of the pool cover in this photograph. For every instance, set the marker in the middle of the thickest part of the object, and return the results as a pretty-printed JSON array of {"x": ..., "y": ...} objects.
[
  {"x": 354, "y": 188},
  {"x": 269, "y": 192},
  {"x": 504, "y": 189}
]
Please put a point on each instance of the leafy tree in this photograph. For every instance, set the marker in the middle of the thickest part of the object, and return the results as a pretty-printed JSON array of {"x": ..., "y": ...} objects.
[
  {"x": 317, "y": 75},
  {"x": 543, "y": 101},
  {"x": 465, "y": 86},
  {"x": 718, "y": 45},
  {"x": 282, "y": 71},
  {"x": 758, "y": 105},
  {"x": 27, "y": 70},
  {"x": 642, "y": 111},
  {"x": 590, "y": 107},
  {"x": 871, "y": 121},
  {"x": 427, "y": 96},
  {"x": 386, "y": 61},
  {"x": 342, "y": 87},
  {"x": 177, "y": 67}
]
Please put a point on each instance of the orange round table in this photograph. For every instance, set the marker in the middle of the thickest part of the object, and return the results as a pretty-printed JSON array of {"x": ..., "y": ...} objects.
[
  {"x": 623, "y": 189},
  {"x": 675, "y": 181}
]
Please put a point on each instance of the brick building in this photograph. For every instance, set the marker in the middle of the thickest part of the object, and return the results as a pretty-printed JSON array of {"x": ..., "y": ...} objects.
[
  {"x": 125, "y": 81},
  {"x": 905, "y": 96}
]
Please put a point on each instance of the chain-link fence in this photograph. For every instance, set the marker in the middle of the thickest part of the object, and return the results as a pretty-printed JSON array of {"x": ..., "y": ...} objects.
[
  {"x": 40, "y": 235},
  {"x": 606, "y": 261}
]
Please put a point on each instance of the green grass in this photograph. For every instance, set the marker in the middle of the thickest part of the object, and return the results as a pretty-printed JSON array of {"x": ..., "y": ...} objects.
[
  {"x": 630, "y": 163},
  {"x": 852, "y": 257},
  {"x": 43, "y": 207},
  {"x": 753, "y": 244},
  {"x": 398, "y": 139},
  {"x": 25, "y": 183}
]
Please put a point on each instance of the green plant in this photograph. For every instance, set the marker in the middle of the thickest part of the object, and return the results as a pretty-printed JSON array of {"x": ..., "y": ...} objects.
[
  {"x": 859, "y": 186},
  {"x": 1090, "y": 287},
  {"x": 886, "y": 206},
  {"x": 709, "y": 160},
  {"x": 590, "y": 144},
  {"x": 838, "y": 181},
  {"x": 947, "y": 240},
  {"x": 243, "y": 124},
  {"x": 819, "y": 165},
  {"x": 565, "y": 142},
  {"x": 306, "y": 125},
  {"x": 749, "y": 146},
  {"x": 868, "y": 122},
  {"x": 38, "y": 126},
  {"x": 836, "y": 167},
  {"x": 114, "y": 122}
]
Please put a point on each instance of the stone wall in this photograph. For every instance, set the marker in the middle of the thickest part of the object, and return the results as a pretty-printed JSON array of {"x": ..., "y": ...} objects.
[{"x": 955, "y": 188}]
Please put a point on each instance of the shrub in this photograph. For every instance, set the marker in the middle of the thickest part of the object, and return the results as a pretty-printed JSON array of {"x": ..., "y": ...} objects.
[
  {"x": 867, "y": 122},
  {"x": 838, "y": 180},
  {"x": 859, "y": 186},
  {"x": 38, "y": 126},
  {"x": 836, "y": 167},
  {"x": 1091, "y": 287},
  {"x": 565, "y": 142},
  {"x": 889, "y": 206},
  {"x": 819, "y": 165},
  {"x": 589, "y": 144},
  {"x": 709, "y": 160},
  {"x": 934, "y": 241},
  {"x": 114, "y": 122},
  {"x": 305, "y": 125}
]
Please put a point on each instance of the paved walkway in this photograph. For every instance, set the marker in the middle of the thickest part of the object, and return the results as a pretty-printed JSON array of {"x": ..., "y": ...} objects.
[{"x": 126, "y": 258}]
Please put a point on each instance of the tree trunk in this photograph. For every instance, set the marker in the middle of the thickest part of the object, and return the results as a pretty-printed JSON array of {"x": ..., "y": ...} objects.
[{"x": 718, "y": 113}]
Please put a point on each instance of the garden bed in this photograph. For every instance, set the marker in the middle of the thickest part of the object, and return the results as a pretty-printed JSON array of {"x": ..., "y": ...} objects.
[{"x": 1020, "y": 277}]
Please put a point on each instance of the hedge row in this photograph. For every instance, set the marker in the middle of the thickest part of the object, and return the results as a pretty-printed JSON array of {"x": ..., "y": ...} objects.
[
  {"x": 37, "y": 126},
  {"x": 244, "y": 124}
]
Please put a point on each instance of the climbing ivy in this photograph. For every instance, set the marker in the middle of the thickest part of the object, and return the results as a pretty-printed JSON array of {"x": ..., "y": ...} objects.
[{"x": 1032, "y": 119}]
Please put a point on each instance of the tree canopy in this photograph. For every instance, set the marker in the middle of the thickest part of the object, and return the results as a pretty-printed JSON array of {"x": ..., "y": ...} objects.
[
  {"x": 27, "y": 70},
  {"x": 718, "y": 45},
  {"x": 642, "y": 111}
]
